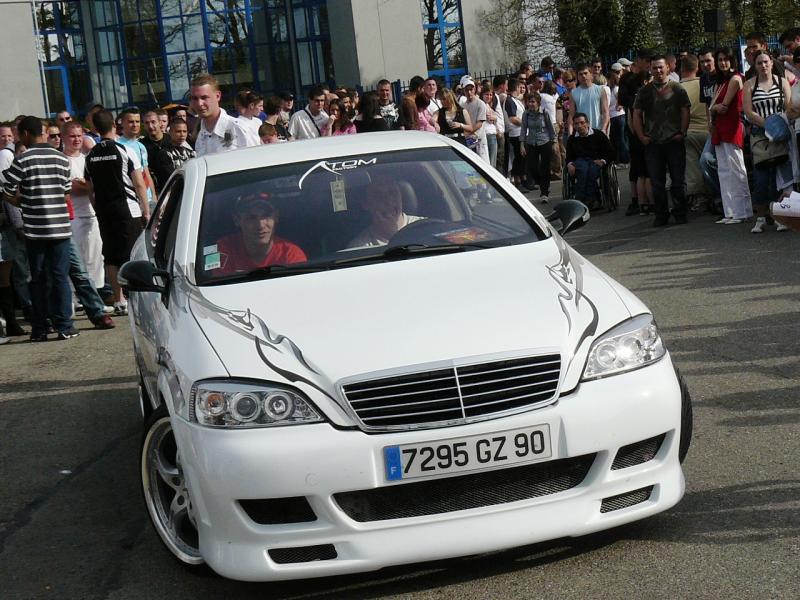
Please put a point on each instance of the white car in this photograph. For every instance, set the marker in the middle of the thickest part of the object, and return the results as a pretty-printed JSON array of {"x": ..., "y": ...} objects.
[{"x": 372, "y": 350}]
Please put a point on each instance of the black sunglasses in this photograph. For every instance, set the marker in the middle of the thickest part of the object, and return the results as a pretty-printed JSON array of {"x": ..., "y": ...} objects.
[{"x": 53, "y": 136}]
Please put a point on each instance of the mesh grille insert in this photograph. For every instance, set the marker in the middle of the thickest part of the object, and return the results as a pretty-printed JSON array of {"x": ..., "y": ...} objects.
[
  {"x": 464, "y": 492},
  {"x": 302, "y": 554},
  {"x": 638, "y": 452},
  {"x": 454, "y": 394},
  {"x": 625, "y": 500},
  {"x": 278, "y": 511}
]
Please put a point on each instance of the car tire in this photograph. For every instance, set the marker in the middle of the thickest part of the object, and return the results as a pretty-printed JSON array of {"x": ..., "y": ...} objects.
[
  {"x": 166, "y": 496},
  {"x": 687, "y": 418}
]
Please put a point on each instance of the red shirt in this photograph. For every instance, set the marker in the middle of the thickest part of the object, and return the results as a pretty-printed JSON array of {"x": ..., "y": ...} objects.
[
  {"x": 234, "y": 257},
  {"x": 728, "y": 125}
]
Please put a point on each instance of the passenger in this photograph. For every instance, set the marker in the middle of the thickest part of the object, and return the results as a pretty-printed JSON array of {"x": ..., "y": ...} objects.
[
  {"x": 384, "y": 203},
  {"x": 254, "y": 244}
]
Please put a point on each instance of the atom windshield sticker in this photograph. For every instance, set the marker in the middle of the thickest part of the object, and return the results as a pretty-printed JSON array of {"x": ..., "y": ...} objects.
[{"x": 337, "y": 166}]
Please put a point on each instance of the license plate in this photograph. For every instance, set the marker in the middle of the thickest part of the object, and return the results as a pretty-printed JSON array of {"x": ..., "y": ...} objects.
[{"x": 467, "y": 453}]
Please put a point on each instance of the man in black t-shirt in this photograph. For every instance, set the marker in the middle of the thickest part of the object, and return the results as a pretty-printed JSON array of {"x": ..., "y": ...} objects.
[
  {"x": 629, "y": 86},
  {"x": 115, "y": 175},
  {"x": 154, "y": 142}
]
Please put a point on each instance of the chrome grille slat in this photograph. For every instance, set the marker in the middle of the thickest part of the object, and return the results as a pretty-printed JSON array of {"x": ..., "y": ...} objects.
[
  {"x": 382, "y": 406},
  {"x": 525, "y": 366},
  {"x": 454, "y": 394},
  {"x": 512, "y": 399},
  {"x": 431, "y": 391},
  {"x": 547, "y": 382},
  {"x": 405, "y": 383},
  {"x": 427, "y": 412},
  {"x": 526, "y": 375}
]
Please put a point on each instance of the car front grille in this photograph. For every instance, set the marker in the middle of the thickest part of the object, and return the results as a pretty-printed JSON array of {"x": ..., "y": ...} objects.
[
  {"x": 301, "y": 554},
  {"x": 638, "y": 452},
  {"x": 464, "y": 492},
  {"x": 454, "y": 395}
]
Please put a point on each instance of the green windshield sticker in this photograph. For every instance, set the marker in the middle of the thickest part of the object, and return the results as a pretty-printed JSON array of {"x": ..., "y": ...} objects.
[{"x": 212, "y": 261}]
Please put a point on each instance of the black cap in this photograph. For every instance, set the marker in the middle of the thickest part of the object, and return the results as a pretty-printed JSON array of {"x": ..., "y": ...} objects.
[{"x": 286, "y": 96}]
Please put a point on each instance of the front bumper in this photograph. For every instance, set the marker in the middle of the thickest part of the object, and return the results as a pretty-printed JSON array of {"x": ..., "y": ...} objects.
[{"x": 318, "y": 461}]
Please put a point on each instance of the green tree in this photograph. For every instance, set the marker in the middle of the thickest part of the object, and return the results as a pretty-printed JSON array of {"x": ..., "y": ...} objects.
[
  {"x": 682, "y": 22},
  {"x": 604, "y": 22},
  {"x": 573, "y": 29},
  {"x": 637, "y": 31},
  {"x": 763, "y": 15}
]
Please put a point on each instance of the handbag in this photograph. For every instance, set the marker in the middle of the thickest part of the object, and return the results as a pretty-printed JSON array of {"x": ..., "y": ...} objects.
[{"x": 767, "y": 154}]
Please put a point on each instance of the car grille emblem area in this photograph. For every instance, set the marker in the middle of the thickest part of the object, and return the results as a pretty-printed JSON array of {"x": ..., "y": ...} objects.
[{"x": 454, "y": 395}]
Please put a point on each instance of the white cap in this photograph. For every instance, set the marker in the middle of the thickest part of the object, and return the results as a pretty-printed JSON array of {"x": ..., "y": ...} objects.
[
  {"x": 617, "y": 67},
  {"x": 624, "y": 62},
  {"x": 467, "y": 80}
]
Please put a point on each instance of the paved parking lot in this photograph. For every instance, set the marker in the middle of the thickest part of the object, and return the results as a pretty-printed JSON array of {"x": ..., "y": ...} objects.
[{"x": 73, "y": 526}]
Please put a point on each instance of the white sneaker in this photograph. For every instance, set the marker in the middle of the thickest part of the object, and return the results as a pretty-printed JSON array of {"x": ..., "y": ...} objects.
[
  {"x": 781, "y": 227},
  {"x": 732, "y": 221},
  {"x": 723, "y": 221},
  {"x": 544, "y": 199},
  {"x": 109, "y": 310},
  {"x": 761, "y": 222},
  {"x": 4, "y": 340}
]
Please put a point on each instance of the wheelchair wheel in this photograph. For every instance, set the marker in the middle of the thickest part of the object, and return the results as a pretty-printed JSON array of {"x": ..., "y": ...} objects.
[
  {"x": 567, "y": 185},
  {"x": 610, "y": 187}
]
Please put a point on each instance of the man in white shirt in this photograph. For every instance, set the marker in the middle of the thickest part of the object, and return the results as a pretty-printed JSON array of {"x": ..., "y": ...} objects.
[
  {"x": 219, "y": 132},
  {"x": 384, "y": 203},
  {"x": 477, "y": 114},
  {"x": 311, "y": 122},
  {"x": 429, "y": 88}
]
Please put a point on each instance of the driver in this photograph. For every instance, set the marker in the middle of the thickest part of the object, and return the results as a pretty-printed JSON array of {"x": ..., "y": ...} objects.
[
  {"x": 384, "y": 203},
  {"x": 254, "y": 244}
]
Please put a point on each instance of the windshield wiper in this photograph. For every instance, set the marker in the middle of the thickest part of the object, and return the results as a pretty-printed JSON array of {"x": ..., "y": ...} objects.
[
  {"x": 277, "y": 270},
  {"x": 406, "y": 250}
]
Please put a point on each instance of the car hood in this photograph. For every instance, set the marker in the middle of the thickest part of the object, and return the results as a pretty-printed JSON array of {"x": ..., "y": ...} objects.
[{"x": 313, "y": 330}]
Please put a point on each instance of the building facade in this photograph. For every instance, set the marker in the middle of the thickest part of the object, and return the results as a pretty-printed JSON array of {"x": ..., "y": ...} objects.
[{"x": 56, "y": 55}]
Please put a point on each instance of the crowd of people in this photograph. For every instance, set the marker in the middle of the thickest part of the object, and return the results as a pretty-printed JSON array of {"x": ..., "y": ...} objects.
[{"x": 692, "y": 128}]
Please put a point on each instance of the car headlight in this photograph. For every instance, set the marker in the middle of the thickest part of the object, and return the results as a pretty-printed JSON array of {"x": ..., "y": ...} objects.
[
  {"x": 244, "y": 404},
  {"x": 630, "y": 345}
]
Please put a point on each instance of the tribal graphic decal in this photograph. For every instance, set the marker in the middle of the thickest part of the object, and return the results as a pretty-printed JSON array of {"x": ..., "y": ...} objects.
[
  {"x": 277, "y": 351},
  {"x": 568, "y": 276}
]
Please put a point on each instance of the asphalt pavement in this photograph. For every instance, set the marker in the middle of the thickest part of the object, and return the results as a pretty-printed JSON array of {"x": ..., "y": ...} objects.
[{"x": 73, "y": 524}]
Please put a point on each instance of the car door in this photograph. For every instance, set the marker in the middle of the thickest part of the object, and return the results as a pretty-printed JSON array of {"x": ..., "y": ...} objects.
[{"x": 153, "y": 310}]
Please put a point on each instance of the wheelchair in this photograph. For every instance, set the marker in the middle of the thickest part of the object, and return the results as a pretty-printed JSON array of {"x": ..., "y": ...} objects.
[{"x": 608, "y": 184}]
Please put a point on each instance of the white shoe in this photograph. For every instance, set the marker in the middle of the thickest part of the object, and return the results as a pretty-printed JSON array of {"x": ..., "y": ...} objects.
[
  {"x": 109, "y": 310},
  {"x": 732, "y": 221},
  {"x": 781, "y": 227},
  {"x": 723, "y": 221},
  {"x": 4, "y": 340},
  {"x": 544, "y": 199},
  {"x": 761, "y": 222}
]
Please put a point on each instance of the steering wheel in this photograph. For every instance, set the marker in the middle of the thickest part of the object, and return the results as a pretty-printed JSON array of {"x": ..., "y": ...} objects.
[{"x": 421, "y": 232}]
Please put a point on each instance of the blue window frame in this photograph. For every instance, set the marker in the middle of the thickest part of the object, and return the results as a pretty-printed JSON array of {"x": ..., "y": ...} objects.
[
  {"x": 62, "y": 55},
  {"x": 443, "y": 35},
  {"x": 148, "y": 51}
]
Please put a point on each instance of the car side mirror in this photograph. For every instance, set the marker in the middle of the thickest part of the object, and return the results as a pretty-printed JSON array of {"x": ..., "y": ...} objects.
[
  {"x": 143, "y": 276},
  {"x": 568, "y": 215}
]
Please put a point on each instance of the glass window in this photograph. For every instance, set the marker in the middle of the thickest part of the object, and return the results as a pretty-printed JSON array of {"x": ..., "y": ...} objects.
[
  {"x": 193, "y": 33},
  {"x": 190, "y": 6},
  {"x": 170, "y": 8},
  {"x": 332, "y": 215},
  {"x": 173, "y": 35},
  {"x": 197, "y": 63},
  {"x": 443, "y": 37},
  {"x": 55, "y": 89}
]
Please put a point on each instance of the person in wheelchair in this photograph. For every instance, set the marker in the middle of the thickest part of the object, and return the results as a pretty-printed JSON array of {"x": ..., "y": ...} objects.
[
  {"x": 254, "y": 244},
  {"x": 588, "y": 152},
  {"x": 383, "y": 201}
]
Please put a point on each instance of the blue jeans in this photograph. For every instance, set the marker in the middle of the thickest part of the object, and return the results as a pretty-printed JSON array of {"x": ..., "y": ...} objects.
[
  {"x": 491, "y": 146},
  {"x": 84, "y": 285},
  {"x": 619, "y": 140},
  {"x": 49, "y": 263},
  {"x": 586, "y": 174},
  {"x": 660, "y": 158},
  {"x": 708, "y": 167}
]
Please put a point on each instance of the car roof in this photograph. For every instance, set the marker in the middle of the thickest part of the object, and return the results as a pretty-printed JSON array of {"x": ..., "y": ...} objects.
[{"x": 319, "y": 149}]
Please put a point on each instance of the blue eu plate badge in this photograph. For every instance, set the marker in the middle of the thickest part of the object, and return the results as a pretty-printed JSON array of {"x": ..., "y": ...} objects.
[{"x": 394, "y": 466}]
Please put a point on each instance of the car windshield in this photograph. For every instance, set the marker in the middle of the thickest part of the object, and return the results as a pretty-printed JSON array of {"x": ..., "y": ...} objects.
[{"x": 344, "y": 212}]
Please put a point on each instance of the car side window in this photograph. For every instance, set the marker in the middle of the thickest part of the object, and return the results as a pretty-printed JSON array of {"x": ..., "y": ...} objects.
[{"x": 165, "y": 225}]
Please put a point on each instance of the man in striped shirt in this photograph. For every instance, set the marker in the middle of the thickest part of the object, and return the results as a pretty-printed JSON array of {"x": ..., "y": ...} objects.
[{"x": 38, "y": 181}]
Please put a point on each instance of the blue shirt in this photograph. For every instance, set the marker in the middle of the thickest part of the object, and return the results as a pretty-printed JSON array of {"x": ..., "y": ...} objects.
[{"x": 587, "y": 101}]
